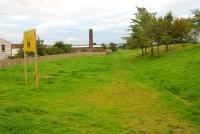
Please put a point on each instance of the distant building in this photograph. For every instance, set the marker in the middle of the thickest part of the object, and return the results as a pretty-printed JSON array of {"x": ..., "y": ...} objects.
[
  {"x": 86, "y": 48},
  {"x": 91, "y": 47},
  {"x": 5, "y": 49},
  {"x": 15, "y": 49}
]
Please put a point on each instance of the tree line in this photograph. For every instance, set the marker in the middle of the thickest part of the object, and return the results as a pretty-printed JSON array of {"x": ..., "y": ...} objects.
[
  {"x": 148, "y": 30},
  {"x": 58, "y": 47}
]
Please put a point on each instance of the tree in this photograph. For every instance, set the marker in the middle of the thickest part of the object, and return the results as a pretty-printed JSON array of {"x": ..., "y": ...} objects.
[
  {"x": 141, "y": 32},
  {"x": 169, "y": 18},
  {"x": 113, "y": 46},
  {"x": 195, "y": 33},
  {"x": 146, "y": 30},
  {"x": 158, "y": 32},
  {"x": 167, "y": 38},
  {"x": 162, "y": 30},
  {"x": 54, "y": 50},
  {"x": 130, "y": 44},
  {"x": 65, "y": 47},
  {"x": 59, "y": 44},
  {"x": 40, "y": 47},
  {"x": 181, "y": 29},
  {"x": 104, "y": 46}
]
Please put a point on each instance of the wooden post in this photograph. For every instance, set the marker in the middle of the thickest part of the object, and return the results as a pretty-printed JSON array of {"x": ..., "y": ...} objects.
[
  {"x": 152, "y": 50},
  {"x": 145, "y": 49},
  {"x": 166, "y": 47},
  {"x": 25, "y": 67},
  {"x": 142, "y": 50},
  {"x": 36, "y": 69},
  {"x": 30, "y": 45}
]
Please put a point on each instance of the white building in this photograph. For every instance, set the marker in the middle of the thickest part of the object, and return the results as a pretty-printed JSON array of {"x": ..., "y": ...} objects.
[
  {"x": 5, "y": 49},
  {"x": 86, "y": 48},
  {"x": 15, "y": 49}
]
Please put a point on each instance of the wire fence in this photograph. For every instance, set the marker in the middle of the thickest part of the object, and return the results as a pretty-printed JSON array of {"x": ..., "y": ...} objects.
[{"x": 11, "y": 62}]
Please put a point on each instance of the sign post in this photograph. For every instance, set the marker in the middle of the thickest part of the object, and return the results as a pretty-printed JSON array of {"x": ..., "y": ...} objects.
[
  {"x": 25, "y": 68},
  {"x": 36, "y": 71},
  {"x": 30, "y": 46}
]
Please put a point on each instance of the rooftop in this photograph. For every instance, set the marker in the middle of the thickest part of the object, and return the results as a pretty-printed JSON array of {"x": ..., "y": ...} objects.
[
  {"x": 85, "y": 46},
  {"x": 16, "y": 45}
]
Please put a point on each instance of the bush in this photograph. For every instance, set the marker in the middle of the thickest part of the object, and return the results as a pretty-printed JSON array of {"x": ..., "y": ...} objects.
[
  {"x": 67, "y": 48},
  {"x": 54, "y": 50},
  {"x": 58, "y": 48},
  {"x": 104, "y": 46},
  {"x": 113, "y": 47}
]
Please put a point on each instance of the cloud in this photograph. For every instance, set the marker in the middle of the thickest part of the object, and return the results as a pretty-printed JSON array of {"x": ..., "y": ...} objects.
[
  {"x": 47, "y": 25},
  {"x": 8, "y": 25},
  {"x": 19, "y": 18},
  {"x": 118, "y": 31},
  {"x": 65, "y": 19},
  {"x": 72, "y": 39},
  {"x": 10, "y": 36}
]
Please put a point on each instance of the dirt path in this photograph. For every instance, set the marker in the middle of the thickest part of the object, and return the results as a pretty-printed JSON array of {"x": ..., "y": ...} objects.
[{"x": 139, "y": 107}]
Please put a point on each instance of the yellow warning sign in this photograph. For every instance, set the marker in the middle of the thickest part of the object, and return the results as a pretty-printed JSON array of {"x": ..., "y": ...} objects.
[{"x": 30, "y": 41}]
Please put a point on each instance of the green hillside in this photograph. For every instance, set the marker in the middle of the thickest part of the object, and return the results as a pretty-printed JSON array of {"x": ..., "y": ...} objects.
[
  {"x": 115, "y": 93},
  {"x": 177, "y": 72}
]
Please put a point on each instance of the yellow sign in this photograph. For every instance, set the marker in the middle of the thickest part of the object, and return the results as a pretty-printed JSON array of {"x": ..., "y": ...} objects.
[{"x": 30, "y": 41}]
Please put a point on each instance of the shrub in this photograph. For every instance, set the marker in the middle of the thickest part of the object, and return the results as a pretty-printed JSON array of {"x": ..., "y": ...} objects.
[{"x": 113, "y": 47}]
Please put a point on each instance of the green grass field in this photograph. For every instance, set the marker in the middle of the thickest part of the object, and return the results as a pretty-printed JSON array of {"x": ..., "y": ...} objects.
[{"x": 116, "y": 93}]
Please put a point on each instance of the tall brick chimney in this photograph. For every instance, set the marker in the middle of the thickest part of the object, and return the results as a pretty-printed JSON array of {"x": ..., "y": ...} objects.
[{"x": 90, "y": 38}]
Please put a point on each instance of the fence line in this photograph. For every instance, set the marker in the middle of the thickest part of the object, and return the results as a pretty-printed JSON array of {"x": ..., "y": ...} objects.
[{"x": 11, "y": 62}]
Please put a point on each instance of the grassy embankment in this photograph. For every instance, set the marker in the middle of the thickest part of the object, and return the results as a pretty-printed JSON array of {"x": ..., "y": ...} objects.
[{"x": 117, "y": 93}]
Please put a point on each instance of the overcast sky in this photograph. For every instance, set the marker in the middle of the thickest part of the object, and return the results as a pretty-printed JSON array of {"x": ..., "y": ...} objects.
[{"x": 69, "y": 20}]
